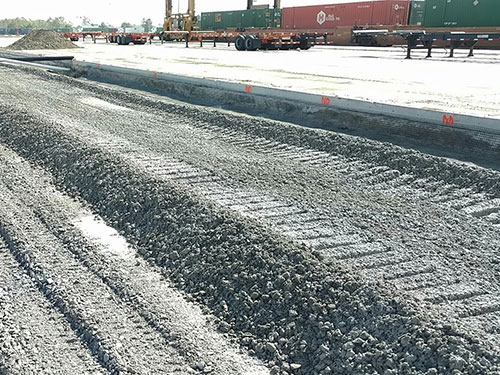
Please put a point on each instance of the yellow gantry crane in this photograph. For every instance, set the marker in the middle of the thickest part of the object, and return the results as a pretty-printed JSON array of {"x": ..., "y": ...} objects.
[
  {"x": 277, "y": 4},
  {"x": 185, "y": 21}
]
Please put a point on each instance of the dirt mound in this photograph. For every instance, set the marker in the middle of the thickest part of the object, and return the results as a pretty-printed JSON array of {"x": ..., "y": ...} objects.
[{"x": 42, "y": 39}]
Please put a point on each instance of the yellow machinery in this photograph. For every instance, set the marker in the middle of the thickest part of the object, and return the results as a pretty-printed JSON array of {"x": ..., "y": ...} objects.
[
  {"x": 185, "y": 21},
  {"x": 277, "y": 4}
]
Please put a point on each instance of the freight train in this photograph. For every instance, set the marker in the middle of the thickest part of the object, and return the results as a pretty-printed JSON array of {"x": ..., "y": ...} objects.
[{"x": 418, "y": 13}]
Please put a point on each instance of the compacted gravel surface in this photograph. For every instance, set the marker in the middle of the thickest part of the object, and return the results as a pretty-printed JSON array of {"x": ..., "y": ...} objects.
[{"x": 148, "y": 236}]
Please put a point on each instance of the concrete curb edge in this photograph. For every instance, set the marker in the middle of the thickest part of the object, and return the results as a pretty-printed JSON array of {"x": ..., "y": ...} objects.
[{"x": 453, "y": 120}]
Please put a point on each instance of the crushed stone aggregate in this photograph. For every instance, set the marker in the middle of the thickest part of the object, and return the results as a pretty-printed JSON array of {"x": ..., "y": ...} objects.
[{"x": 308, "y": 308}]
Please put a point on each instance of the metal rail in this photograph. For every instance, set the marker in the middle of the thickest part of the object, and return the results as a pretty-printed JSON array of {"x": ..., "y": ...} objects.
[
  {"x": 43, "y": 66},
  {"x": 42, "y": 58}
]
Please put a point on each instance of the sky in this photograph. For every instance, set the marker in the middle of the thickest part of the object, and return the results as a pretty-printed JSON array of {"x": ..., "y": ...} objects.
[{"x": 115, "y": 12}]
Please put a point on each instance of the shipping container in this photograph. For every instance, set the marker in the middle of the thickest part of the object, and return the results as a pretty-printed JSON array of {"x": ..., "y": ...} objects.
[
  {"x": 461, "y": 13},
  {"x": 465, "y": 13},
  {"x": 379, "y": 12},
  {"x": 96, "y": 29},
  {"x": 62, "y": 29},
  {"x": 261, "y": 18},
  {"x": 417, "y": 13},
  {"x": 434, "y": 13},
  {"x": 392, "y": 12}
]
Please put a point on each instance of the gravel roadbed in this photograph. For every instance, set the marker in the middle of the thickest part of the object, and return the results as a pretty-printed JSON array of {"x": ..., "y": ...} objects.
[
  {"x": 25, "y": 340},
  {"x": 320, "y": 253},
  {"x": 120, "y": 307}
]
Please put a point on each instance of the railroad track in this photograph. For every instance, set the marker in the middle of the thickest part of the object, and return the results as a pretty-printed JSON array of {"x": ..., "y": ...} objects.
[{"x": 427, "y": 234}]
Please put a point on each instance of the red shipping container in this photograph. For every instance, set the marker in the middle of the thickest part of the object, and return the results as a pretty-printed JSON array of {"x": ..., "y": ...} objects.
[
  {"x": 392, "y": 12},
  {"x": 379, "y": 12}
]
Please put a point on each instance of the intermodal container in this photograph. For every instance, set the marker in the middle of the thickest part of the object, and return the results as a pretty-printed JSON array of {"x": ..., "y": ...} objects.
[
  {"x": 379, "y": 12},
  {"x": 261, "y": 18},
  {"x": 106, "y": 29},
  {"x": 434, "y": 13},
  {"x": 417, "y": 13},
  {"x": 465, "y": 13},
  {"x": 461, "y": 13},
  {"x": 62, "y": 29}
]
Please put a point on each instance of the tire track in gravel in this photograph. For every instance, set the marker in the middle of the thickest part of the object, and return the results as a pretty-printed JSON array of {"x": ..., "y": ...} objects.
[
  {"x": 465, "y": 294},
  {"x": 472, "y": 303},
  {"x": 117, "y": 336},
  {"x": 190, "y": 173},
  {"x": 383, "y": 178},
  {"x": 31, "y": 331},
  {"x": 138, "y": 284},
  {"x": 290, "y": 308}
]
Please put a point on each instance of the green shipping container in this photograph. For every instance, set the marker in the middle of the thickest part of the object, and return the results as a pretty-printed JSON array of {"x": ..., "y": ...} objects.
[
  {"x": 459, "y": 13},
  {"x": 434, "y": 13},
  {"x": 469, "y": 13},
  {"x": 417, "y": 13},
  {"x": 261, "y": 18}
]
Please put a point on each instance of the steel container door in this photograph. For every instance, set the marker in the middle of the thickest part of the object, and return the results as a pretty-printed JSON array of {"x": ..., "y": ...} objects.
[
  {"x": 434, "y": 13},
  {"x": 288, "y": 18},
  {"x": 417, "y": 12},
  {"x": 470, "y": 13},
  {"x": 355, "y": 14},
  {"x": 398, "y": 12},
  {"x": 380, "y": 13}
]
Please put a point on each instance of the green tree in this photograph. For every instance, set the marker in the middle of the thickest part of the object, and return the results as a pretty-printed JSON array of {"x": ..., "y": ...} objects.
[
  {"x": 86, "y": 21},
  {"x": 126, "y": 24},
  {"x": 20, "y": 23},
  {"x": 147, "y": 24}
]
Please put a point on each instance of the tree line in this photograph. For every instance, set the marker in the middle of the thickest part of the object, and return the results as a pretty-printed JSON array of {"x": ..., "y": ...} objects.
[
  {"x": 21, "y": 23},
  {"x": 60, "y": 22}
]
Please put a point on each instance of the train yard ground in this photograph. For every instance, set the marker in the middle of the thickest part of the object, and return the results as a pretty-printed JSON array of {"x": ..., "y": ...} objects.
[
  {"x": 145, "y": 235},
  {"x": 460, "y": 85}
]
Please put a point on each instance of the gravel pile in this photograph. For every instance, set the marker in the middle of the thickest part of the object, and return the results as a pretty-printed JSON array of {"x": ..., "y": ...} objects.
[
  {"x": 287, "y": 305},
  {"x": 42, "y": 39}
]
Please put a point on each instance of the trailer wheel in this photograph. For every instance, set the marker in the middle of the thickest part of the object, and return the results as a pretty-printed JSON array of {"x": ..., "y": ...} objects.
[
  {"x": 253, "y": 43},
  {"x": 240, "y": 43},
  {"x": 125, "y": 40},
  {"x": 249, "y": 43}
]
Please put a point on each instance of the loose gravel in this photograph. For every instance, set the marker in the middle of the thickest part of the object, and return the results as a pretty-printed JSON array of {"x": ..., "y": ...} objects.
[
  {"x": 122, "y": 309},
  {"x": 233, "y": 210},
  {"x": 25, "y": 341}
]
